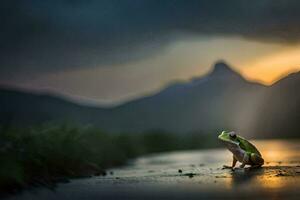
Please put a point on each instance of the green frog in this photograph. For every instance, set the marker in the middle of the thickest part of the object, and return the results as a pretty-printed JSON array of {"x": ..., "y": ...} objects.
[{"x": 242, "y": 150}]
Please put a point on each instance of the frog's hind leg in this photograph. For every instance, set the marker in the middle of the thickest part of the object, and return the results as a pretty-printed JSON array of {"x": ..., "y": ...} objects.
[{"x": 256, "y": 160}]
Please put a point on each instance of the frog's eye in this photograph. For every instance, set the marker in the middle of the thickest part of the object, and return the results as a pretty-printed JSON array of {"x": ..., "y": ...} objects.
[{"x": 232, "y": 134}]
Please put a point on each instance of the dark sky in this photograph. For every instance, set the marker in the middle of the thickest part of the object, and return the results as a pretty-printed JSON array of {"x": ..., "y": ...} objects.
[{"x": 41, "y": 37}]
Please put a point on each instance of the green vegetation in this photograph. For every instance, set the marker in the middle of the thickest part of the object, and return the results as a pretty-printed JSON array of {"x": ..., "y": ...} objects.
[{"x": 46, "y": 154}]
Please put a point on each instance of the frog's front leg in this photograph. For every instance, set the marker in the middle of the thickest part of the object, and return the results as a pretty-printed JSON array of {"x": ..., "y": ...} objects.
[
  {"x": 246, "y": 160},
  {"x": 234, "y": 160}
]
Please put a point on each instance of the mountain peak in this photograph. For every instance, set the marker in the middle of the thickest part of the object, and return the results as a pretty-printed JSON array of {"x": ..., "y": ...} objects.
[{"x": 221, "y": 68}]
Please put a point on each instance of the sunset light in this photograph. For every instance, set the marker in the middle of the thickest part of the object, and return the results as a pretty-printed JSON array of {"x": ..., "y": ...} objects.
[
  {"x": 270, "y": 68},
  {"x": 149, "y": 99}
]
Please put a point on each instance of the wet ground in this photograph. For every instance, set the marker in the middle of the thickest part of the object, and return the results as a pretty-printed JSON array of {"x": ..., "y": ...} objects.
[{"x": 190, "y": 175}]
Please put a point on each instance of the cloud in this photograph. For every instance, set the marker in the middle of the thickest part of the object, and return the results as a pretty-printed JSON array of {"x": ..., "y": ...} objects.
[{"x": 64, "y": 34}]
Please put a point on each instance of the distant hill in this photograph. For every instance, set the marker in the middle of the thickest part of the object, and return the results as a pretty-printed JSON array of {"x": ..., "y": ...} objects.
[
  {"x": 23, "y": 108},
  {"x": 222, "y": 99}
]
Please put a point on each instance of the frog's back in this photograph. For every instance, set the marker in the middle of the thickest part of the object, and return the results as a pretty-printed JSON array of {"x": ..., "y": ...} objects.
[{"x": 247, "y": 146}]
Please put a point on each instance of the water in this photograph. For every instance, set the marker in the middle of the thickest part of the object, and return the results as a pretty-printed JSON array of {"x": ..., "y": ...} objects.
[{"x": 157, "y": 176}]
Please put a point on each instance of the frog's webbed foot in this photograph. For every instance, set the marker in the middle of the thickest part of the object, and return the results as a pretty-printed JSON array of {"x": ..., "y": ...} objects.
[{"x": 228, "y": 167}]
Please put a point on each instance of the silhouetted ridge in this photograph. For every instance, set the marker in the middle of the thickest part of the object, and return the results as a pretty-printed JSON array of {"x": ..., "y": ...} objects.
[
  {"x": 222, "y": 69},
  {"x": 221, "y": 99}
]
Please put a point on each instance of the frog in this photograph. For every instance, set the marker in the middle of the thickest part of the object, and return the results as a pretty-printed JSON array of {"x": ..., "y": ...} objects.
[{"x": 243, "y": 150}]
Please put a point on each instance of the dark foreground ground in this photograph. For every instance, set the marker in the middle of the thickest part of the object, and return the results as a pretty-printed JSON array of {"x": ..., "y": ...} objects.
[{"x": 189, "y": 175}]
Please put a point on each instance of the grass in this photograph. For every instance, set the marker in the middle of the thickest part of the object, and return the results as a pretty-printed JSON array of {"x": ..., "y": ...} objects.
[{"x": 43, "y": 155}]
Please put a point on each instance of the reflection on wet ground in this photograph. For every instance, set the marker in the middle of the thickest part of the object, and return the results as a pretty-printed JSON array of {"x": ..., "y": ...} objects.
[{"x": 191, "y": 174}]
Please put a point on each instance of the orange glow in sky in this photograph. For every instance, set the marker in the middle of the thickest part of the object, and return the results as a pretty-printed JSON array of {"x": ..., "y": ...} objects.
[
  {"x": 270, "y": 68},
  {"x": 182, "y": 59}
]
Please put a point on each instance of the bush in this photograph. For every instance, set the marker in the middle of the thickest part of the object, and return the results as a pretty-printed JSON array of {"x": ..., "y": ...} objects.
[{"x": 43, "y": 154}]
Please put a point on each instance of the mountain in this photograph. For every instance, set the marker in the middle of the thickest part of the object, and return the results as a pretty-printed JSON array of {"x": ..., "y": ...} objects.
[
  {"x": 222, "y": 99},
  {"x": 213, "y": 102},
  {"x": 279, "y": 110},
  {"x": 24, "y": 108}
]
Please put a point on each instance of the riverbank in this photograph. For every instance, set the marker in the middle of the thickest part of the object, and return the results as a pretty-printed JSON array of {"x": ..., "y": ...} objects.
[
  {"x": 48, "y": 154},
  {"x": 189, "y": 175}
]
